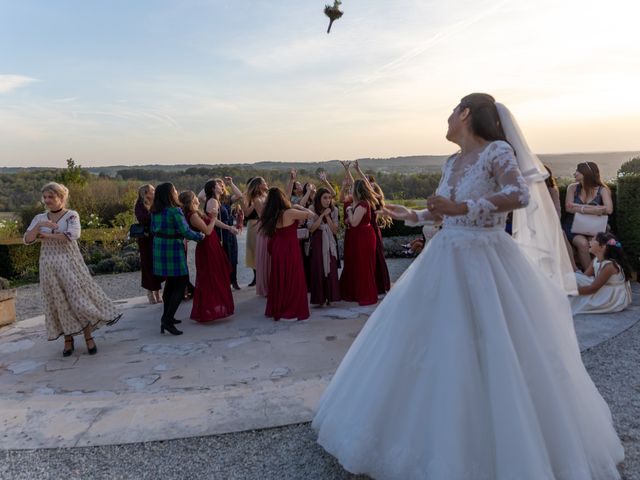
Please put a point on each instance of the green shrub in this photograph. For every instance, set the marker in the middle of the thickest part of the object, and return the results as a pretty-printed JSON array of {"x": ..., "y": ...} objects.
[
  {"x": 631, "y": 167},
  {"x": 18, "y": 259},
  {"x": 628, "y": 206}
]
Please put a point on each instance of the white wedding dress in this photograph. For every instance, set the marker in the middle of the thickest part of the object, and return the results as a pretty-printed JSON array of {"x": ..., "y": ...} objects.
[{"x": 470, "y": 367}]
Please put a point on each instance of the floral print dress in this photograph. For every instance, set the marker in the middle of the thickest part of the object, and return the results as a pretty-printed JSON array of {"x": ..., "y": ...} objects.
[{"x": 72, "y": 299}]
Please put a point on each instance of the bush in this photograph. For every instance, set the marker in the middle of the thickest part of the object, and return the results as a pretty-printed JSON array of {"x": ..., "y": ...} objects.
[
  {"x": 631, "y": 167},
  {"x": 399, "y": 229},
  {"x": 20, "y": 261},
  {"x": 629, "y": 217}
]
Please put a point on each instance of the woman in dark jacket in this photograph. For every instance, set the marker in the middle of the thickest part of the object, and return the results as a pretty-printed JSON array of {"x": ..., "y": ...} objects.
[{"x": 150, "y": 282}]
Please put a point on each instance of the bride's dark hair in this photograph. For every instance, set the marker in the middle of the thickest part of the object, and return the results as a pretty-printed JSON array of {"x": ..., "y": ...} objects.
[{"x": 485, "y": 121}]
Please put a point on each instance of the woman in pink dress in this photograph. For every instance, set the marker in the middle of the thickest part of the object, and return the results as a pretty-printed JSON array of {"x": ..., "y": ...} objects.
[
  {"x": 287, "y": 296},
  {"x": 254, "y": 202},
  {"x": 212, "y": 298}
]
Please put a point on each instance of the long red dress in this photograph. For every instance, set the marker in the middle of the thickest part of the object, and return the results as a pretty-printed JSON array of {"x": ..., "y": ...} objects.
[
  {"x": 358, "y": 279},
  {"x": 383, "y": 281},
  {"x": 287, "y": 296},
  {"x": 212, "y": 298}
]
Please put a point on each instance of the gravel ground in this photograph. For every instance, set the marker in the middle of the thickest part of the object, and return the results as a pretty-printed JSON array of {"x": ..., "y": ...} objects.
[{"x": 288, "y": 452}]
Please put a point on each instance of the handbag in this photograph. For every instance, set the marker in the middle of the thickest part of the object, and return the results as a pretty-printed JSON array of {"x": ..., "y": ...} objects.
[
  {"x": 589, "y": 225},
  {"x": 136, "y": 230},
  {"x": 303, "y": 233}
]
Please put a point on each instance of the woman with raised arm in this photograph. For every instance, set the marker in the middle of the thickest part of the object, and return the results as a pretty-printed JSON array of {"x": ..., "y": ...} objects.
[
  {"x": 358, "y": 278},
  {"x": 287, "y": 288},
  {"x": 255, "y": 200},
  {"x": 323, "y": 256},
  {"x": 73, "y": 301},
  {"x": 378, "y": 220},
  {"x": 470, "y": 366}
]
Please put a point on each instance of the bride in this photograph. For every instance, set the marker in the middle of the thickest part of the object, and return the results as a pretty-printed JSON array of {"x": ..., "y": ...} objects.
[{"x": 470, "y": 367}]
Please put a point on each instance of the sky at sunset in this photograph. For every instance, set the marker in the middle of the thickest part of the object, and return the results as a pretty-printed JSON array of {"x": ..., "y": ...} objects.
[{"x": 174, "y": 82}]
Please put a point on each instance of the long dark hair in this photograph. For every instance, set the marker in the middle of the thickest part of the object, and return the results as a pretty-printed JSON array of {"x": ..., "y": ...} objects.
[
  {"x": 275, "y": 206},
  {"x": 317, "y": 201},
  {"x": 590, "y": 177},
  {"x": 613, "y": 251},
  {"x": 209, "y": 191},
  {"x": 165, "y": 197},
  {"x": 485, "y": 121}
]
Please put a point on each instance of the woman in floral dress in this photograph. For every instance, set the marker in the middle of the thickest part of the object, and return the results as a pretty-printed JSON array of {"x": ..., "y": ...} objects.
[{"x": 73, "y": 302}]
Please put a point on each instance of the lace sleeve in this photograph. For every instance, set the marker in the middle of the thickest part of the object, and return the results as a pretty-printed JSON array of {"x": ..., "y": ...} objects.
[{"x": 512, "y": 192}]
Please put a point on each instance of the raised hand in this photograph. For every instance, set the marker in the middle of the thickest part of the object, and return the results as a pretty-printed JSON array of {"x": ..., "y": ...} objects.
[
  {"x": 228, "y": 180},
  {"x": 293, "y": 174}
]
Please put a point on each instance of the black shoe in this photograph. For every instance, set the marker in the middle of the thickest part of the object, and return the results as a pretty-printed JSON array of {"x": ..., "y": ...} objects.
[
  {"x": 235, "y": 286},
  {"x": 93, "y": 350},
  {"x": 65, "y": 352},
  {"x": 176, "y": 321},
  {"x": 169, "y": 328}
]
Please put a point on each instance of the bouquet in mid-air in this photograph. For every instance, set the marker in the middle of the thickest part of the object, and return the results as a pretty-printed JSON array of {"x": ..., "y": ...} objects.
[{"x": 333, "y": 12}]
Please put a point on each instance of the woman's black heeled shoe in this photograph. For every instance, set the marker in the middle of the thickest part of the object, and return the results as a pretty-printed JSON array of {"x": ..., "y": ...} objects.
[
  {"x": 93, "y": 350},
  {"x": 65, "y": 352},
  {"x": 169, "y": 328},
  {"x": 175, "y": 321}
]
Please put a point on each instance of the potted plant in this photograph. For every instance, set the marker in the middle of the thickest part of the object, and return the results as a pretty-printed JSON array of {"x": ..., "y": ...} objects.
[{"x": 7, "y": 303}]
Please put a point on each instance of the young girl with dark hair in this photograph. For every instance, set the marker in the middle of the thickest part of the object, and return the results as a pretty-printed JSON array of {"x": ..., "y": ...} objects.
[
  {"x": 287, "y": 296},
  {"x": 604, "y": 287},
  {"x": 170, "y": 227},
  {"x": 323, "y": 255},
  {"x": 358, "y": 279},
  {"x": 150, "y": 282}
]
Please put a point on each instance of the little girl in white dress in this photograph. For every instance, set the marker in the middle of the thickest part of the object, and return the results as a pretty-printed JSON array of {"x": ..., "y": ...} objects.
[{"x": 604, "y": 287}]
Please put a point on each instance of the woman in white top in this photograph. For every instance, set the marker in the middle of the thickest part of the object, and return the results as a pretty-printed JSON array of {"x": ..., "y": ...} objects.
[
  {"x": 73, "y": 302},
  {"x": 604, "y": 287}
]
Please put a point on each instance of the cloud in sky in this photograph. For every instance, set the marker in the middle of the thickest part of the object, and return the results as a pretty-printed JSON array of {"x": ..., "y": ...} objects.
[
  {"x": 219, "y": 81},
  {"x": 12, "y": 82}
]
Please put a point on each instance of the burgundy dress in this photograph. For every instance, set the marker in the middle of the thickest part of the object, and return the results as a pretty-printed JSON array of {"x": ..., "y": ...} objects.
[
  {"x": 145, "y": 247},
  {"x": 358, "y": 279},
  {"x": 212, "y": 298},
  {"x": 324, "y": 286},
  {"x": 383, "y": 282},
  {"x": 287, "y": 296}
]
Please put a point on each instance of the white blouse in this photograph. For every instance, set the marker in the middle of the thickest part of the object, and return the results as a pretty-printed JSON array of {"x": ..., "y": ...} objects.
[{"x": 68, "y": 224}]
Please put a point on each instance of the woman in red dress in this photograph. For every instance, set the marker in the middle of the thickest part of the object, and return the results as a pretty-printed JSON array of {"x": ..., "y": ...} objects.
[
  {"x": 378, "y": 221},
  {"x": 212, "y": 298},
  {"x": 358, "y": 279},
  {"x": 287, "y": 297}
]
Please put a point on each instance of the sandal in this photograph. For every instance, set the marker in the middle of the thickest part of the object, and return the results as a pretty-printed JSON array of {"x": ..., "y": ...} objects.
[
  {"x": 66, "y": 352},
  {"x": 93, "y": 350}
]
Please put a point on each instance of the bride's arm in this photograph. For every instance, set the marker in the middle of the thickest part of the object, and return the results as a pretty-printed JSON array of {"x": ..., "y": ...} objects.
[{"x": 411, "y": 217}]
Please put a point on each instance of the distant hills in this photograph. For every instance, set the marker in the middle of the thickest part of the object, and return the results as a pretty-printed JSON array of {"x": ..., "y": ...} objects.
[{"x": 562, "y": 165}]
